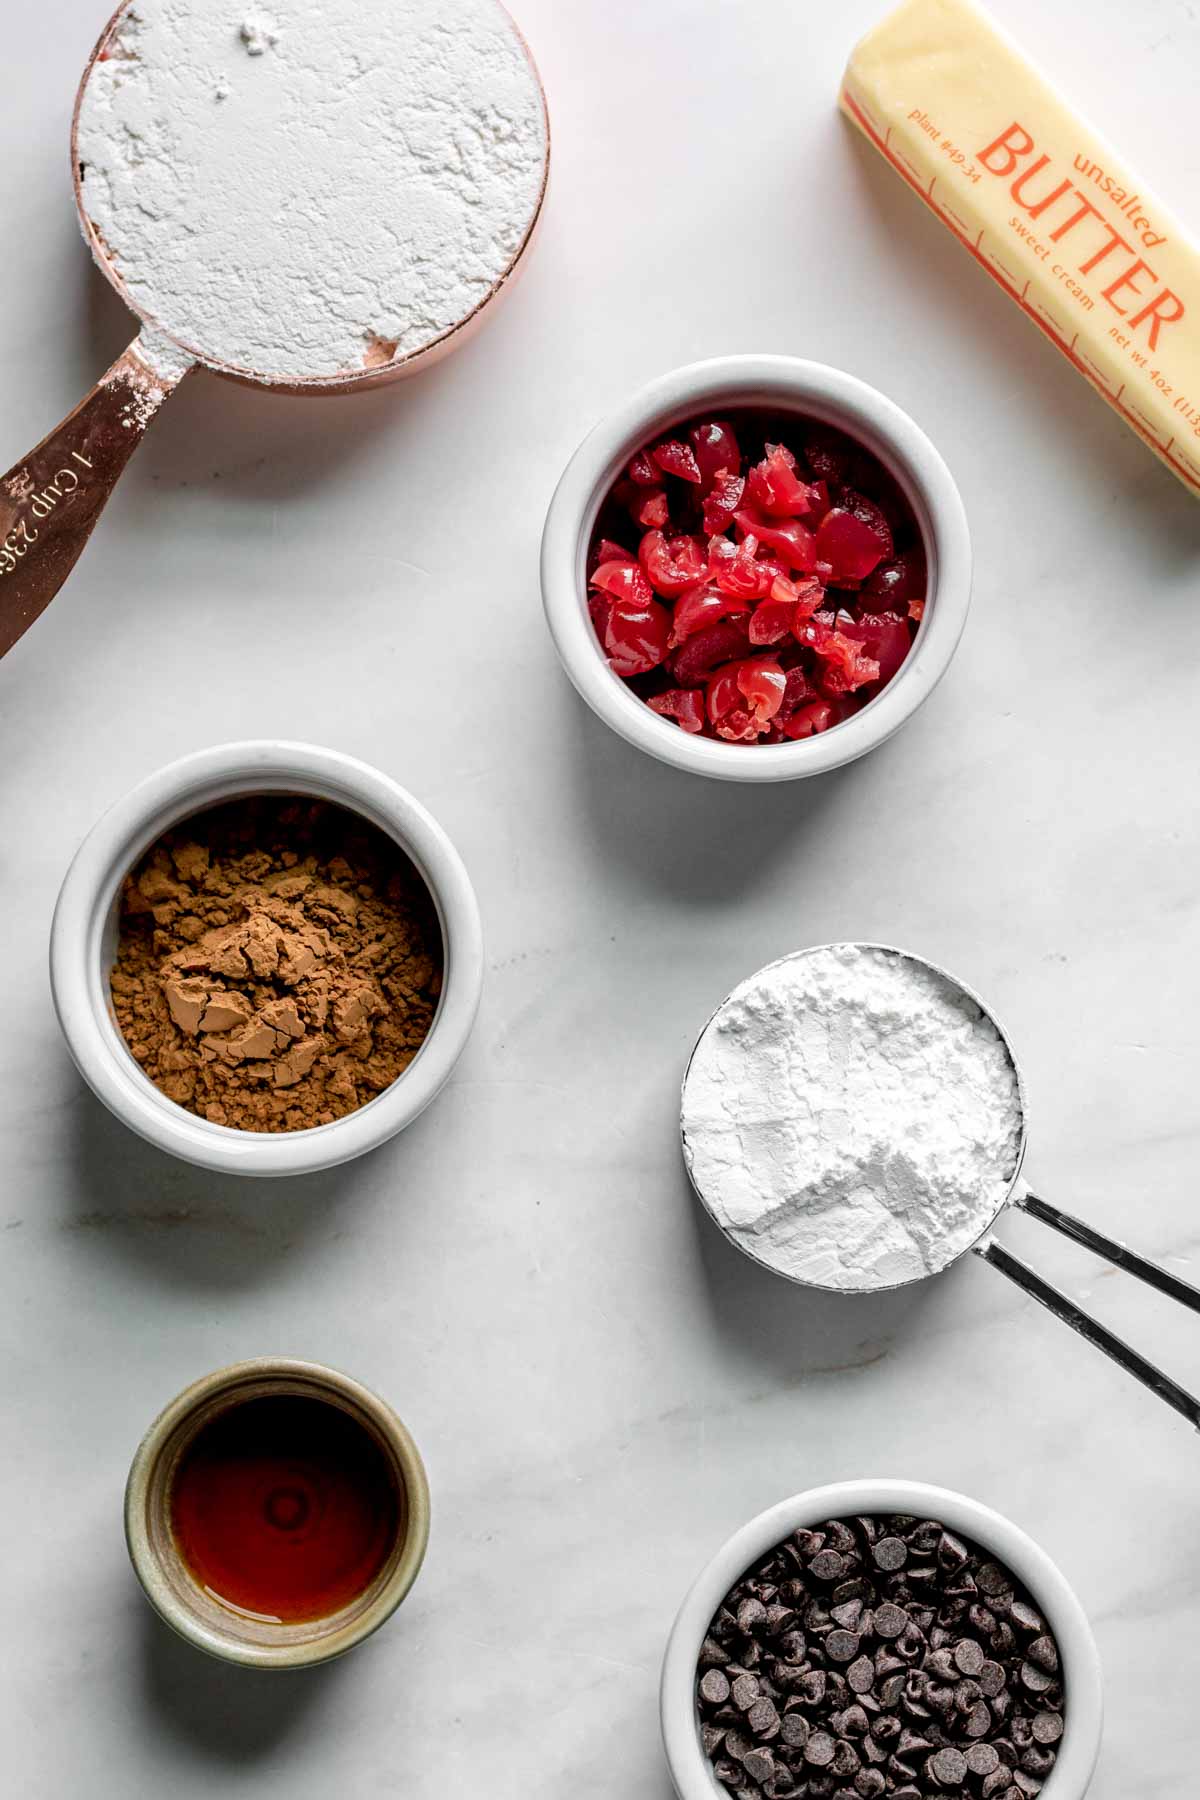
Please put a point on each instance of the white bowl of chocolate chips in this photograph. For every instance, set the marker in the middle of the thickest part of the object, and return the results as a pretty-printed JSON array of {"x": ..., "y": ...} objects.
[
  {"x": 881, "y": 1640},
  {"x": 267, "y": 958}
]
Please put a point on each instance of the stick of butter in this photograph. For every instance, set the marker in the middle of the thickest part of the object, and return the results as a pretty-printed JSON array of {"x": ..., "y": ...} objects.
[{"x": 1045, "y": 205}]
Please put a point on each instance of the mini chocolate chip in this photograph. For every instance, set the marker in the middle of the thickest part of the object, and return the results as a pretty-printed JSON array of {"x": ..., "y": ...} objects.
[
  {"x": 842, "y": 1646},
  {"x": 968, "y": 1655},
  {"x": 870, "y": 1783},
  {"x": 760, "y": 1765},
  {"x": 890, "y": 1554},
  {"x": 711, "y": 1653},
  {"x": 745, "y": 1691},
  {"x": 991, "y": 1579},
  {"x": 978, "y": 1721},
  {"x": 848, "y": 1614},
  {"x": 763, "y": 1719},
  {"x": 1047, "y": 1727},
  {"x": 751, "y": 1614},
  {"x": 794, "y": 1729},
  {"x": 1033, "y": 1679},
  {"x": 952, "y": 1552},
  {"x": 991, "y": 1678},
  {"x": 714, "y": 1687},
  {"x": 1043, "y": 1653},
  {"x": 861, "y": 1675},
  {"x": 738, "y": 1745},
  {"x": 982, "y": 1759},
  {"x": 1026, "y": 1617},
  {"x": 827, "y": 1565},
  {"x": 812, "y": 1686},
  {"x": 890, "y": 1620},
  {"x": 820, "y": 1750},
  {"x": 948, "y": 1767}
]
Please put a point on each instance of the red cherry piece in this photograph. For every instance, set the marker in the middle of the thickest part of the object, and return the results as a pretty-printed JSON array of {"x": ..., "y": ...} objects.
[
  {"x": 672, "y": 567},
  {"x": 606, "y": 551},
  {"x": 772, "y": 621},
  {"x": 716, "y": 450},
  {"x": 636, "y": 635},
  {"x": 791, "y": 541},
  {"x": 624, "y": 580},
  {"x": 684, "y": 705},
  {"x": 808, "y": 720},
  {"x": 706, "y": 650},
  {"x": 722, "y": 503},
  {"x": 821, "y": 502},
  {"x": 774, "y": 487},
  {"x": 735, "y": 568},
  {"x": 723, "y": 695},
  {"x": 700, "y": 607},
  {"x": 885, "y": 638},
  {"x": 762, "y": 683},
  {"x": 901, "y": 580},
  {"x": 650, "y": 508},
  {"x": 642, "y": 471},
  {"x": 676, "y": 458},
  {"x": 872, "y": 515},
  {"x": 829, "y": 455},
  {"x": 796, "y": 688},
  {"x": 851, "y": 548},
  {"x": 845, "y": 663},
  {"x": 739, "y": 727}
]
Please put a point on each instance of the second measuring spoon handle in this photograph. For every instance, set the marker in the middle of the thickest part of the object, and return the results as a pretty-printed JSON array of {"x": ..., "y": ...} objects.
[
  {"x": 1064, "y": 1308},
  {"x": 51, "y": 499}
]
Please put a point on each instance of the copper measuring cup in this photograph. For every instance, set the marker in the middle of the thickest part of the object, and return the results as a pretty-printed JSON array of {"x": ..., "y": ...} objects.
[
  {"x": 51, "y": 499},
  {"x": 1017, "y": 1194}
]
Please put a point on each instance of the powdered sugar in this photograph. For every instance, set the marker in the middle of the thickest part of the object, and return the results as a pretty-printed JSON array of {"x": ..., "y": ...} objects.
[
  {"x": 286, "y": 189},
  {"x": 852, "y": 1118}
]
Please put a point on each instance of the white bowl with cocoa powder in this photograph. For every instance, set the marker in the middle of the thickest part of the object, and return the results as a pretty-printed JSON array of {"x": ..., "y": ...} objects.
[
  {"x": 1083, "y": 1711},
  {"x": 84, "y": 942}
]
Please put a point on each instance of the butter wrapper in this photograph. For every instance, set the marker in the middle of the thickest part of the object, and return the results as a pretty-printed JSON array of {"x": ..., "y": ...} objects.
[{"x": 1045, "y": 205}]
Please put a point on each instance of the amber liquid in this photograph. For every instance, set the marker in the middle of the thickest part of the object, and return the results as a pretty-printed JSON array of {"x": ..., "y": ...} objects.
[{"x": 284, "y": 1508}]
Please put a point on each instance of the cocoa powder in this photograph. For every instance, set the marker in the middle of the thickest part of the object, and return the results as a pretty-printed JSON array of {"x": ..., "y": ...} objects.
[{"x": 279, "y": 963}]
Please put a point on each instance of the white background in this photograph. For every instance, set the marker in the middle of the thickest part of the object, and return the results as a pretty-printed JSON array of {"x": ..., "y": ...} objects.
[{"x": 602, "y": 1389}]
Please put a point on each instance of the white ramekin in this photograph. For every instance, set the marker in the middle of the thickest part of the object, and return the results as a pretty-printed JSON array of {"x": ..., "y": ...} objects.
[
  {"x": 84, "y": 935},
  {"x": 1080, "y": 1743},
  {"x": 786, "y": 384}
]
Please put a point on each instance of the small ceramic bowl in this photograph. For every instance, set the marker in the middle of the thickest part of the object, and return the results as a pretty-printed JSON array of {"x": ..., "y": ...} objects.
[
  {"x": 780, "y": 384},
  {"x": 83, "y": 944},
  {"x": 183, "y": 1603},
  {"x": 1080, "y": 1743}
]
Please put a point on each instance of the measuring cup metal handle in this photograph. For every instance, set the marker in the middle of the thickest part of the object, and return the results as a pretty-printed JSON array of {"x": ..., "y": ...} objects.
[
  {"x": 1127, "y": 1358},
  {"x": 52, "y": 498}
]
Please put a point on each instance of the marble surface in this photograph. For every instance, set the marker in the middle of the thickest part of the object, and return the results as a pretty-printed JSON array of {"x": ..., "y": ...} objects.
[{"x": 603, "y": 1390}]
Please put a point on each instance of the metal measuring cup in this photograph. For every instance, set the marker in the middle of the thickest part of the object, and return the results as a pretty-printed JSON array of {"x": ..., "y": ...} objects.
[
  {"x": 51, "y": 500},
  {"x": 1017, "y": 1194}
]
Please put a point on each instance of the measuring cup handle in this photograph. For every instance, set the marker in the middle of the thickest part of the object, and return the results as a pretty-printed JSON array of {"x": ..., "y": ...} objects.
[
  {"x": 1123, "y": 1354},
  {"x": 1114, "y": 1252},
  {"x": 51, "y": 499}
]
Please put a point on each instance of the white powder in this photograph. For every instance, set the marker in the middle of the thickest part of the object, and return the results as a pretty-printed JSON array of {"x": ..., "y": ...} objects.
[
  {"x": 317, "y": 187},
  {"x": 852, "y": 1118}
]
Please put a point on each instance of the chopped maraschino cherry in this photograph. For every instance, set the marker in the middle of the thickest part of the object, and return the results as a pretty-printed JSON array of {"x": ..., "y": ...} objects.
[
  {"x": 674, "y": 458},
  {"x": 758, "y": 579},
  {"x": 684, "y": 705}
]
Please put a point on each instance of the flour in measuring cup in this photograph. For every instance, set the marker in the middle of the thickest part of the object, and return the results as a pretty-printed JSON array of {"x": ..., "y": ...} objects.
[
  {"x": 852, "y": 1118},
  {"x": 316, "y": 186}
]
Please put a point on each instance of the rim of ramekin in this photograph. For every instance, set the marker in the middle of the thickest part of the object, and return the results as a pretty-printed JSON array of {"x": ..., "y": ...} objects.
[
  {"x": 1079, "y": 1749},
  {"x": 792, "y": 384},
  {"x": 164, "y": 1595},
  {"x": 85, "y": 909}
]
